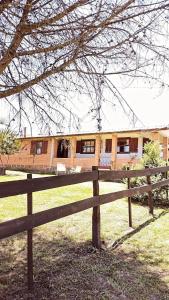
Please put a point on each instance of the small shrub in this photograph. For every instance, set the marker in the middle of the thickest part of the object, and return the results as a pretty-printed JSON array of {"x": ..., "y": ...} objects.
[
  {"x": 8, "y": 145},
  {"x": 151, "y": 159},
  {"x": 8, "y": 142}
]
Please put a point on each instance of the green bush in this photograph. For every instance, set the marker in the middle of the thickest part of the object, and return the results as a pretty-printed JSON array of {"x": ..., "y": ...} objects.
[
  {"x": 151, "y": 159},
  {"x": 8, "y": 145},
  {"x": 8, "y": 142}
]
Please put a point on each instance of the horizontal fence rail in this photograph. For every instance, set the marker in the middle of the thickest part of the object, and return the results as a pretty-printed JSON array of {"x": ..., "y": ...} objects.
[
  {"x": 18, "y": 225},
  {"x": 110, "y": 175},
  {"x": 32, "y": 220},
  {"x": 24, "y": 186}
]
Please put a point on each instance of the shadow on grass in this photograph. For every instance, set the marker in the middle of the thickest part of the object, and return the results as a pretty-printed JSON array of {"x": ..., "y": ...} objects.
[
  {"x": 65, "y": 269},
  {"x": 122, "y": 239}
]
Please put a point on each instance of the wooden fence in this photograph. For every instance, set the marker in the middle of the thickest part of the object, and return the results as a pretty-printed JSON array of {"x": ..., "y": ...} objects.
[{"x": 31, "y": 185}]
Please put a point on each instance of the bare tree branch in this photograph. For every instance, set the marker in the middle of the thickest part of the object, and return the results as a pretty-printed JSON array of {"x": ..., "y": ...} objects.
[{"x": 52, "y": 49}]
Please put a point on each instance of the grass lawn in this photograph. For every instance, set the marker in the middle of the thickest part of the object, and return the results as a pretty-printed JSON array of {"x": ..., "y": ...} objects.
[{"x": 132, "y": 265}]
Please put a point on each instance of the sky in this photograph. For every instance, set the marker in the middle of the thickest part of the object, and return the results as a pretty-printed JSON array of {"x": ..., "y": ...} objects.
[
  {"x": 149, "y": 104},
  {"x": 152, "y": 108}
]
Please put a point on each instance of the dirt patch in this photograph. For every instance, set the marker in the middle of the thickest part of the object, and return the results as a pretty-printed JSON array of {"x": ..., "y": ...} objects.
[{"x": 64, "y": 269}]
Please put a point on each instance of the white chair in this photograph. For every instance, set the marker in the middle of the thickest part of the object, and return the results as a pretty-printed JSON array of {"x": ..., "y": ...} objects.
[
  {"x": 77, "y": 169},
  {"x": 60, "y": 169}
]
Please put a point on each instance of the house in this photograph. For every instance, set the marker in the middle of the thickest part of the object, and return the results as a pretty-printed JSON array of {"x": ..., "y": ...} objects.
[{"x": 111, "y": 149}]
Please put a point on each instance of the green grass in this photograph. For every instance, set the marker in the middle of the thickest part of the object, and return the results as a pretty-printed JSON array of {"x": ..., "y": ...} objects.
[{"x": 131, "y": 265}]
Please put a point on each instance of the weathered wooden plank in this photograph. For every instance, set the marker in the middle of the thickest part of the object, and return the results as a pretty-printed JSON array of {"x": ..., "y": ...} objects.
[
  {"x": 18, "y": 187},
  {"x": 150, "y": 196},
  {"x": 96, "y": 215},
  {"x": 123, "y": 194},
  {"x": 29, "y": 241},
  {"x": 108, "y": 175},
  {"x": 159, "y": 184},
  {"x": 28, "y": 222},
  {"x": 131, "y": 192},
  {"x": 129, "y": 203}
]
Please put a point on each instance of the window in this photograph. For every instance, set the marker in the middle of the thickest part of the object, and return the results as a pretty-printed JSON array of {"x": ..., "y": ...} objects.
[
  {"x": 108, "y": 148},
  {"x": 78, "y": 146},
  {"x": 86, "y": 147},
  {"x": 123, "y": 145},
  {"x": 127, "y": 145},
  {"x": 39, "y": 147}
]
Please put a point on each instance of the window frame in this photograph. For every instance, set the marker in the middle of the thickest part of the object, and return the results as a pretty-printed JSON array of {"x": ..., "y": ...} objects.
[
  {"x": 37, "y": 147},
  {"x": 123, "y": 152},
  {"x": 107, "y": 145},
  {"x": 87, "y": 146},
  {"x": 34, "y": 147}
]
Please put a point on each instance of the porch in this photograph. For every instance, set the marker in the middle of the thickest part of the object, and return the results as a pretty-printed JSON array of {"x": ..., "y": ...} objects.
[{"x": 107, "y": 151}]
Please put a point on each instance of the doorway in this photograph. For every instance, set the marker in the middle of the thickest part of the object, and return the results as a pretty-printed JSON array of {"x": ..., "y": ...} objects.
[{"x": 63, "y": 148}]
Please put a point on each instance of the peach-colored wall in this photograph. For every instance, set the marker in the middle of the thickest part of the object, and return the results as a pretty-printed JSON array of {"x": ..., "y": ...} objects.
[
  {"x": 25, "y": 159},
  {"x": 165, "y": 148},
  {"x": 120, "y": 162},
  {"x": 85, "y": 163}
]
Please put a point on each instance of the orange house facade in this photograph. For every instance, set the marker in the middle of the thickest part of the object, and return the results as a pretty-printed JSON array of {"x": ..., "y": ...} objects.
[{"x": 105, "y": 149}]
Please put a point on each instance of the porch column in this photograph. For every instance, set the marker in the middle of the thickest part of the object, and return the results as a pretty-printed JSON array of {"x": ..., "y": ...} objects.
[
  {"x": 165, "y": 148},
  {"x": 55, "y": 148},
  {"x": 140, "y": 147},
  {"x": 52, "y": 151},
  {"x": 72, "y": 151},
  {"x": 97, "y": 150},
  {"x": 114, "y": 151}
]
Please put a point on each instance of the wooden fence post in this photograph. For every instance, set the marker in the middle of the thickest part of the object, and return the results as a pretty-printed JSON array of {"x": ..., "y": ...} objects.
[
  {"x": 150, "y": 196},
  {"x": 129, "y": 202},
  {"x": 29, "y": 242},
  {"x": 96, "y": 214}
]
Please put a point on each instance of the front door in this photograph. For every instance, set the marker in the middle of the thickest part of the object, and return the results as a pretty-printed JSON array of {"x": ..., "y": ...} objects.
[{"x": 62, "y": 151}]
